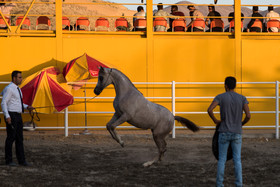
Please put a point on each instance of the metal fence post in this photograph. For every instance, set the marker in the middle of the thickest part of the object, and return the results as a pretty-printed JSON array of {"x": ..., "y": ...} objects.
[
  {"x": 277, "y": 109},
  {"x": 66, "y": 122},
  {"x": 173, "y": 107}
]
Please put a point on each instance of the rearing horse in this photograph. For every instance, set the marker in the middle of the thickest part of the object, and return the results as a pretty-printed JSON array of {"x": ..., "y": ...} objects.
[{"x": 132, "y": 107}]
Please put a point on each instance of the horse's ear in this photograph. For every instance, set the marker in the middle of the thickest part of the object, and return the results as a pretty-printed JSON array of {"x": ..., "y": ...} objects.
[{"x": 101, "y": 68}]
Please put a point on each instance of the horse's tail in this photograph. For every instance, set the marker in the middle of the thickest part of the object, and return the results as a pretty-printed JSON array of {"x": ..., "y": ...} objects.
[{"x": 193, "y": 127}]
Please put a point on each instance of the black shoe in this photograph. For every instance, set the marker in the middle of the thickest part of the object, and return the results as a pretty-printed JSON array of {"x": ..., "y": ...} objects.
[
  {"x": 11, "y": 164},
  {"x": 25, "y": 164}
]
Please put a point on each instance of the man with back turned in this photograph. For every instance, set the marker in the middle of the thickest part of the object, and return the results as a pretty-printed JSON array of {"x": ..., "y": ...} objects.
[{"x": 230, "y": 125}]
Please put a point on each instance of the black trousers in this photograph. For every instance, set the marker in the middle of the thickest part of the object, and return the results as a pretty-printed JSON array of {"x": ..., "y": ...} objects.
[{"x": 14, "y": 133}]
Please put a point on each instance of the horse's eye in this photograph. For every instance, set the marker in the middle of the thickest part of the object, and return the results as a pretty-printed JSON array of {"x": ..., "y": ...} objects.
[{"x": 100, "y": 79}]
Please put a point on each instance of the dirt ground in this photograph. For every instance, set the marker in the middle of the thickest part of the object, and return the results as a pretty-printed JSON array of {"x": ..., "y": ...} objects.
[{"x": 97, "y": 160}]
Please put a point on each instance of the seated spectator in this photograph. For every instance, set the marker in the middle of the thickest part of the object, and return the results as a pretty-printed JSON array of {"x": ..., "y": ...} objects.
[
  {"x": 271, "y": 15},
  {"x": 252, "y": 21},
  {"x": 195, "y": 14},
  {"x": 175, "y": 12},
  {"x": 161, "y": 13},
  {"x": 6, "y": 8},
  {"x": 213, "y": 13},
  {"x": 139, "y": 15},
  {"x": 230, "y": 19}
]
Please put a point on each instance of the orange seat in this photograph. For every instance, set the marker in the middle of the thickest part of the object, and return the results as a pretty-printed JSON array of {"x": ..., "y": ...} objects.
[
  {"x": 82, "y": 21},
  {"x": 66, "y": 22},
  {"x": 180, "y": 22},
  {"x": 121, "y": 22},
  {"x": 273, "y": 23},
  {"x": 2, "y": 22},
  {"x": 25, "y": 22},
  {"x": 102, "y": 22},
  {"x": 257, "y": 23},
  {"x": 43, "y": 20},
  {"x": 217, "y": 23},
  {"x": 231, "y": 26},
  {"x": 198, "y": 22},
  {"x": 159, "y": 21},
  {"x": 140, "y": 23}
]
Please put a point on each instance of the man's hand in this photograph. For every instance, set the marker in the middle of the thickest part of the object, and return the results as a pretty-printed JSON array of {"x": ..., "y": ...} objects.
[
  {"x": 30, "y": 108},
  {"x": 217, "y": 122},
  {"x": 9, "y": 121}
]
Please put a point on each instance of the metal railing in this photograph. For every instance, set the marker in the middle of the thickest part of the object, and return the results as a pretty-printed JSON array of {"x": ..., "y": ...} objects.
[{"x": 173, "y": 100}]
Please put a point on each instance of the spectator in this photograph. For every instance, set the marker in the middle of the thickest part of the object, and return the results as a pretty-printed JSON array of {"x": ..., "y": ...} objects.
[
  {"x": 12, "y": 106},
  {"x": 213, "y": 13},
  {"x": 271, "y": 15},
  {"x": 252, "y": 21},
  {"x": 230, "y": 19},
  {"x": 161, "y": 13},
  {"x": 175, "y": 12},
  {"x": 6, "y": 8},
  {"x": 139, "y": 15},
  {"x": 195, "y": 14},
  {"x": 229, "y": 127}
]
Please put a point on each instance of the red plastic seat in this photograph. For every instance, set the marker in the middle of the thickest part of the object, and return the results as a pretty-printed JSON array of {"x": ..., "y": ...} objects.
[
  {"x": 273, "y": 23},
  {"x": 140, "y": 23},
  {"x": 2, "y": 22},
  {"x": 198, "y": 22},
  {"x": 66, "y": 22},
  {"x": 180, "y": 22},
  {"x": 217, "y": 23},
  {"x": 159, "y": 21},
  {"x": 102, "y": 23},
  {"x": 257, "y": 24},
  {"x": 82, "y": 21},
  {"x": 121, "y": 22},
  {"x": 43, "y": 20},
  {"x": 26, "y": 22},
  {"x": 231, "y": 26}
]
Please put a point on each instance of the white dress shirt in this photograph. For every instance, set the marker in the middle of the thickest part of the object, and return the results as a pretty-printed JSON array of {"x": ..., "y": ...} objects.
[
  {"x": 11, "y": 101},
  {"x": 271, "y": 15}
]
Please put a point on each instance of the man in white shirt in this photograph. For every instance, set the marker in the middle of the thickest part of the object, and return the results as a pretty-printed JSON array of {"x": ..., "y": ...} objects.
[
  {"x": 195, "y": 14},
  {"x": 12, "y": 107},
  {"x": 272, "y": 15},
  {"x": 6, "y": 8},
  {"x": 161, "y": 13},
  {"x": 139, "y": 15}
]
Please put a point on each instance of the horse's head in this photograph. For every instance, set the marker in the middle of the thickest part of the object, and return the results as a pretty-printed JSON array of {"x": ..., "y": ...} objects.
[{"x": 104, "y": 79}]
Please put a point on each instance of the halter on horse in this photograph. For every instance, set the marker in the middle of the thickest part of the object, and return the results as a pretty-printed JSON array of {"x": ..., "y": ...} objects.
[{"x": 132, "y": 107}]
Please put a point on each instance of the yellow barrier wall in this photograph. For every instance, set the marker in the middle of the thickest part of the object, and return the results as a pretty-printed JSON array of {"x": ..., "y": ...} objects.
[{"x": 175, "y": 58}]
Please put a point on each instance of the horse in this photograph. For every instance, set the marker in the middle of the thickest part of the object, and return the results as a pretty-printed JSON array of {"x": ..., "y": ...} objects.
[{"x": 131, "y": 106}]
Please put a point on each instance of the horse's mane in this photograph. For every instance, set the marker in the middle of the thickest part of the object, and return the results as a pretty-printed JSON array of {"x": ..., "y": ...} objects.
[{"x": 119, "y": 73}]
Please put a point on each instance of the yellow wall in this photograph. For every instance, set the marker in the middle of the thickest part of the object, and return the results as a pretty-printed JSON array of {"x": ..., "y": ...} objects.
[{"x": 180, "y": 58}]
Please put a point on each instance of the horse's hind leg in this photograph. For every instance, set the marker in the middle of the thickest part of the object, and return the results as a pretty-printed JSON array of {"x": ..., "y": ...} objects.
[
  {"x": 112, "y": 124},
  {"x": 161, "y": 145}
]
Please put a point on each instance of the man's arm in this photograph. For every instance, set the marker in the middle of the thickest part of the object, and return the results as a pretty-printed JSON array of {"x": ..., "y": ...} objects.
[
  {"x": 6, "y": 97},
  {"x": 247, "y": 113},
  {"x": 211, "y": 113}
]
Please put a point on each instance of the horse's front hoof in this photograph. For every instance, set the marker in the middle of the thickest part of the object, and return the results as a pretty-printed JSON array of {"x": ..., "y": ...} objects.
[{"x": 122, "y": 144}]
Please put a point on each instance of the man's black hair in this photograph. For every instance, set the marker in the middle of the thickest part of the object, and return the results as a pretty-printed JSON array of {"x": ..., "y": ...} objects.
[
  {"x": 230, "y": 82},
  {"x": 140, "y": 8},
  {"x": 255, "y": 8},
  {"x": 160, "y": 6},
  {"x": 189, "y": 6},
  {"x": 270, "y": 8},
  {"x": 212, "y": 6},
  {"x": 174, "y": 7},
  {"x": 15, "y": 73}
]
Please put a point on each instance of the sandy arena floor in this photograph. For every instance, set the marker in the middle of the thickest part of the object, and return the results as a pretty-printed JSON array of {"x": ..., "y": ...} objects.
[{"x": 97, "y": 160}]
